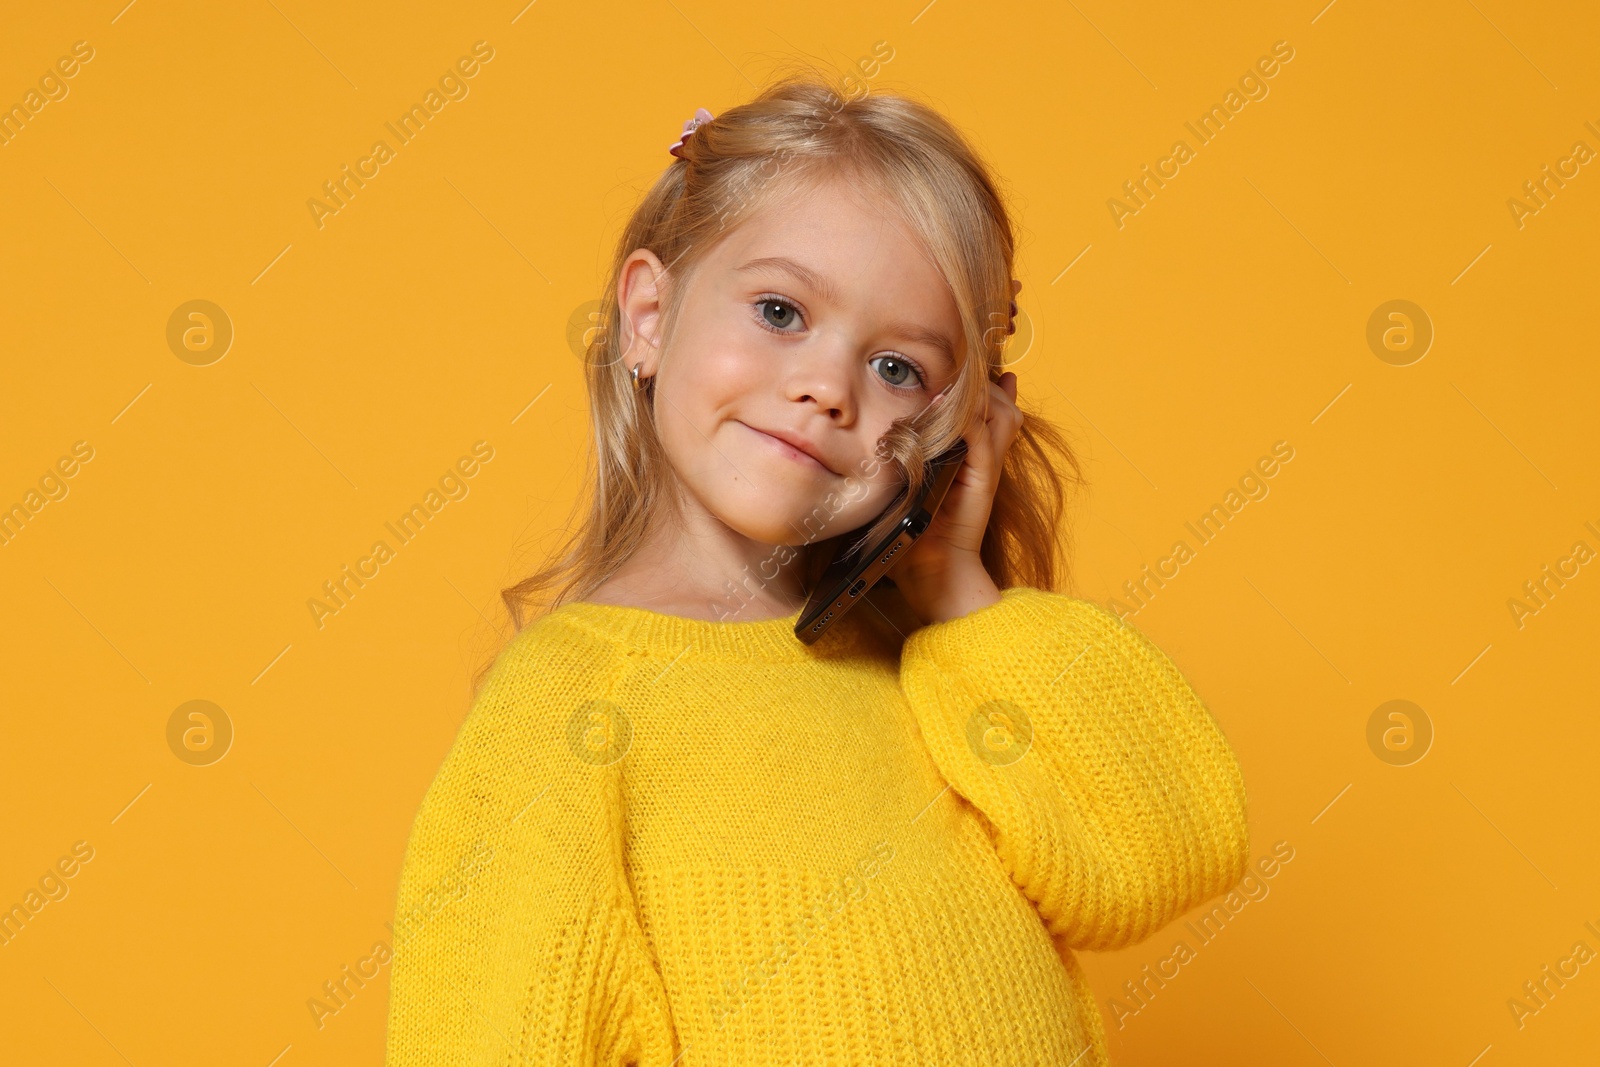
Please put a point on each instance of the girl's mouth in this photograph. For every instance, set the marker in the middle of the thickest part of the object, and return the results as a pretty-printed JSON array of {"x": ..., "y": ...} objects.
[{"x": 787, "y": 450}]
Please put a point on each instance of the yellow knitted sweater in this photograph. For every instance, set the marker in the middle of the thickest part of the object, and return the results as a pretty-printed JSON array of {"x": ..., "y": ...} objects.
[{"x": 667, "y": 841}]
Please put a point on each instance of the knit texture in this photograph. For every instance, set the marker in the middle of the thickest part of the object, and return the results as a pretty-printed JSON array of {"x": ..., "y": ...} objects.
[{"x": 671, "y": 842}]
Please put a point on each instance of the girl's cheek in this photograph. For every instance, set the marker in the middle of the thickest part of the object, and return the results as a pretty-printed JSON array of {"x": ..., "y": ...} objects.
[
  {"x": 856, "y": 489},
  {"x": 868, "y": 501},
  {"x": 734, "y": 356}
]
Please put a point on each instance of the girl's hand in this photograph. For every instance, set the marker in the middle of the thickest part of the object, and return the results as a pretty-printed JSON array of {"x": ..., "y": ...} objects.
[{"x": 942, "y": 576}]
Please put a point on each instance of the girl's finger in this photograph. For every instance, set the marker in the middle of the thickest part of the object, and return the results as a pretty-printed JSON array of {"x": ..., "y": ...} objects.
[{"x": 1004, "y": 418}]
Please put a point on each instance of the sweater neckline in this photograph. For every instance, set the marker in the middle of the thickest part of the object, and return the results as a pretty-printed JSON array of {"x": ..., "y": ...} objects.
[{"x": 672, "y": 636}]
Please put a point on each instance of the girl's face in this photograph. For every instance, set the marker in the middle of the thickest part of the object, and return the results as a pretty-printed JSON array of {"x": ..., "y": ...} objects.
[{"x": 821, "y": 320}]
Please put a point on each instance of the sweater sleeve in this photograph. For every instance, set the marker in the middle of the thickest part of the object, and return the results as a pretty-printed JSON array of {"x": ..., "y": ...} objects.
[
  {"x": 1109, "y": 791},
  {"x": 516, "y": 940}
]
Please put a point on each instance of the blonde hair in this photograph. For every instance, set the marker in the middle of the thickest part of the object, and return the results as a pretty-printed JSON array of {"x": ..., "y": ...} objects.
[{"x": 797, "y": 131}]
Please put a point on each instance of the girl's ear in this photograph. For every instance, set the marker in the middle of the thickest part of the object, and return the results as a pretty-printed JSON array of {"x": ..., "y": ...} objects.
[{"x": 639, "y": 308}]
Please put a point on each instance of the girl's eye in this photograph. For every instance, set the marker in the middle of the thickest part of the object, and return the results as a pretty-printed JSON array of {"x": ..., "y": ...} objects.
[
  {"x": 898, "y": 370},
  {"x": 777, "y": 314}
]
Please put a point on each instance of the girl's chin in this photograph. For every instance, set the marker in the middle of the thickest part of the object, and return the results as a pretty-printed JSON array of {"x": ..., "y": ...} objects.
[{"x": 797, "y": 527}]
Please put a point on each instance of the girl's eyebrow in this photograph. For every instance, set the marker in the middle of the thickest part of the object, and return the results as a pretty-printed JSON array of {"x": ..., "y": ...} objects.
[
  {"x": 922, "y": 334},
  {"x": 814, "y": 281},
  {"x": 785, "y": 265}
]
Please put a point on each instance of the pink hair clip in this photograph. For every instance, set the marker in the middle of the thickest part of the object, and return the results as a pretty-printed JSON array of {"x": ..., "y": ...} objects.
[{"x": 701, "y": 117}]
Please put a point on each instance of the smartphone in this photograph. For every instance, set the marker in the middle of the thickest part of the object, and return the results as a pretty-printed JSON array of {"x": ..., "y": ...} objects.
[{"x": 849, "y": 577}]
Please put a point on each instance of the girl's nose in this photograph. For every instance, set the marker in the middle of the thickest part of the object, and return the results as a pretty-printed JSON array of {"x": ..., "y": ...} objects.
[{"x": 824, "y": 378}]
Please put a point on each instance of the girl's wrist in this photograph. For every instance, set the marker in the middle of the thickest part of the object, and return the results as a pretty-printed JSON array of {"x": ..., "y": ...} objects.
[{"x": 949, "y": 592}]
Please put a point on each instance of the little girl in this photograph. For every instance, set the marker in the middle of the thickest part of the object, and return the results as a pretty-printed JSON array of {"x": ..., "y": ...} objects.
[{"x": 670, "y": 832}]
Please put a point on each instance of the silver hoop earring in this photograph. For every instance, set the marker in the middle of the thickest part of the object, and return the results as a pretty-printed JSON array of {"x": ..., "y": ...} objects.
[{"x": 639, "y": 384}]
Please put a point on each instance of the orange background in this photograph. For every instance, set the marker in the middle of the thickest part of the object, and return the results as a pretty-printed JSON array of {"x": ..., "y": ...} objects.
[{"x": 430, "y": 313}]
